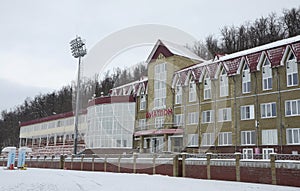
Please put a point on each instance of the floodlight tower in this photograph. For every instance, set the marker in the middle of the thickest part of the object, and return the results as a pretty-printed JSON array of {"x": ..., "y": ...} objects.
[{"x": 78, "y": 50}]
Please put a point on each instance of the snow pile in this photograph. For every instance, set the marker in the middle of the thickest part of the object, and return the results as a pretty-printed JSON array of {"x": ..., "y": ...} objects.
[{"x": 64, "y": 180}]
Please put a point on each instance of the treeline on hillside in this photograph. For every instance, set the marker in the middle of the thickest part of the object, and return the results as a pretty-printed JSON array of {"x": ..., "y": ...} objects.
[
  {"x": 61, "y": 101},
  {"x": 250, "y": 34}
]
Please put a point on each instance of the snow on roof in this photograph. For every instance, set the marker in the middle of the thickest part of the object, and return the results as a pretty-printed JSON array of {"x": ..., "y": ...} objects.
[
  {"x": 131, "y": 83},
  {"x": 274, "y": 51},
  {"x": 8, "y": 149},
  {"x": 261, "y": 48},
  {"x": 130, "y": 86},
  {"x": 174, "y": 49}
]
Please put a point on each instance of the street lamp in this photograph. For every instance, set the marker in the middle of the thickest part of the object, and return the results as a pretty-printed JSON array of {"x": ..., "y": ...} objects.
[{"x": 78, "y": 50}]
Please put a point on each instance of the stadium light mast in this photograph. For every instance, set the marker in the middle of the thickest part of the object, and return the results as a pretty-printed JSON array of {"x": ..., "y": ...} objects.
[{"x": 78, "y": 50}]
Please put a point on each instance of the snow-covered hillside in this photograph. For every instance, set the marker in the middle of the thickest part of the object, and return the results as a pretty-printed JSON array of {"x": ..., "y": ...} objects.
[{"x": 65, "y": 180}]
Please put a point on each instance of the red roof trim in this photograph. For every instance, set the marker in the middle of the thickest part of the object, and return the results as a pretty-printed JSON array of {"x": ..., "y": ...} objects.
[
  {"x": 49, "y": 118},
  {"x": 111, "y": 99}
]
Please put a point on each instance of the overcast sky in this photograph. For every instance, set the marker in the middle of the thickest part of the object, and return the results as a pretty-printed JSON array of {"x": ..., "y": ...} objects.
[{"x": 35, "y": 34}]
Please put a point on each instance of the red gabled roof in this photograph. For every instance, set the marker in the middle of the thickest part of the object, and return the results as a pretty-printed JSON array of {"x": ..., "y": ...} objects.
[
  {"x": 212, "y": 69},
  {"x": 253, "y": 60},
  {"x": 232, "y": 65},
  {"x": 275, "y": 55},
  {"x": 197, "y": 72},
  {"x": 296, "y": 50}
]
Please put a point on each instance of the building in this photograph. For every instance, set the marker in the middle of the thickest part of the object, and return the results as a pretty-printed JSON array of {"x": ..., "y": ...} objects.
[
  {"x": 53, "y": 134},
  {"x": 247, "y": 101}
]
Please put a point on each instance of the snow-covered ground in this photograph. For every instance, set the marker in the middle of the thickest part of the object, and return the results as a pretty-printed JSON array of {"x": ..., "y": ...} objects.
[{"x": 65, "y": 180}]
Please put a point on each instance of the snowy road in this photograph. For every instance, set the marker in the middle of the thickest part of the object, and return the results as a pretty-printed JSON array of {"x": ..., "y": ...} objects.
[{"x": 64, "y": 180}]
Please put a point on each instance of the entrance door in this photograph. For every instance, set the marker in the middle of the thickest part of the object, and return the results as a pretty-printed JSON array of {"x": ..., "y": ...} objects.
[{"x": 157, "y": 144}]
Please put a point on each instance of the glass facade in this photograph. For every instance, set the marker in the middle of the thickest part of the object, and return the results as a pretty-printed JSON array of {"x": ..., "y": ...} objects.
[{"x": 110, "y": 125}]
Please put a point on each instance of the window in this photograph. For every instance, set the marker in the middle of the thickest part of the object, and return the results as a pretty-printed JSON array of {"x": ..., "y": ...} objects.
[
  {"x": 246, "y": 80},
  {"x": 267, "y": 75},
  {"x": 293, "y": 136},
  {"x": 247, "y": 112},
  {"x": 143, "y": 102},
  {"x": 207, "y": 87},
  {"x": 248, "y": 137},
  {"x": 142, "y": 124},
  {"x": 224, "y": 114},
  {"x": 207, "y": 116},
  {"x": 269, "y": 137},
  {"x": 159, "y": 121},
  {"x": 178, "y": 93},
  {"x": 207, "y": 139},
  {"x": 223, "y": 83},
  {"x": 292, "y": 107},
  {"x": 225, "y": 138},
  {"x": 247, "y": 153},
  {"x": 193, "y": 117},
  {"x": 268, "y": 110},
  {"x": 160, "y": 85},
  {"x": 266, "y": 152},
  {"x": 178, "y": 120},
  {"x": 291, "y": 70},
  {"x": 192, "y": 91},
  {"x": 193, "y": 140}
]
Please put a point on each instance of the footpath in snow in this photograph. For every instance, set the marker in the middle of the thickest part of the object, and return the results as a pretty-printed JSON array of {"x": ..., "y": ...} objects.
[{"x": 66, "y": 180}]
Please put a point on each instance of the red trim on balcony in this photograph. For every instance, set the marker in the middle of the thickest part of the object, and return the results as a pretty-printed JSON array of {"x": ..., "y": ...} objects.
[
  {"x": 159, "y": 132},
  {"x": 111, "y": 99}
]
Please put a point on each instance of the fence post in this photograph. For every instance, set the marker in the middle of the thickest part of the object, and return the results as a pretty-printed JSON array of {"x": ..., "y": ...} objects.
[
  {"x": 134, "y": 162},
  {"x": 93, "y": 162},
  {"x": 3, "y": 161},
  {"x": 237, "y": 166},
  {"x": 153, "y": 162},
  {"x": 52, "y": 158},
  {"x": 72, "y": 159},
  {"x": 119, "y": 163},
  {"x": 175, "y": 165},
  {"x": 81, "y": 162},
  {"x": 105, "y": 162},
  {"x": 44, "y": 165},
  {"x": 62, "y": 161},
  {"x": 183, "y": 164},
  {"x": 273, "y": 167},
  {"x": 208, "y": 158},
  {"x": 37, "y": 161}
]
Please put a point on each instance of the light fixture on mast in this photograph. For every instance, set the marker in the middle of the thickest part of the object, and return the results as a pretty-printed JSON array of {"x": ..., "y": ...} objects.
[{"x": 78, "y": 50}]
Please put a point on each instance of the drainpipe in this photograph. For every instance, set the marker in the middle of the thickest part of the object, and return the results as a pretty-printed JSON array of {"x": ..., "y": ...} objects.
[
  {"x": 215, "y": 113},
  {"x": 198, "y": 90},
  {"x": 235, "y": 114},
  {"x": 256, "y": 113},
  {"x": 279, "y": 109}
]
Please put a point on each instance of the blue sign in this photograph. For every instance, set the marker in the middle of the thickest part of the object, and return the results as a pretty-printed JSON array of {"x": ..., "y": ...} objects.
[
  {"x": 11, "y": 158},
  {"x": 21, "y": 157}
]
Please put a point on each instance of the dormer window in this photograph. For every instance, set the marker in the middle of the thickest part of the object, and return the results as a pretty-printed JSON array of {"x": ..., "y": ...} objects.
[
  {"x": 143, "y": 102},
  {"x": 192, "y": 90},
  {"x": 246, "y": 80},
  {"x": 207, "y": 87},
  {"x": 178, "y": 93},
  {"x": 291, "y": 70},
  {"x": 223, "y": 83},
  {"x": 267, "y": 75}
]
